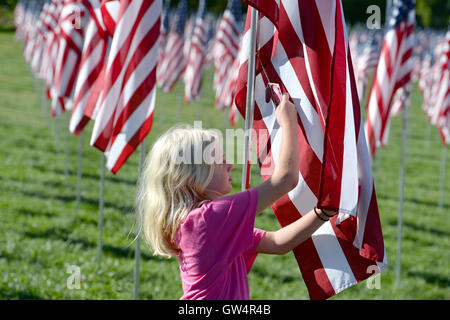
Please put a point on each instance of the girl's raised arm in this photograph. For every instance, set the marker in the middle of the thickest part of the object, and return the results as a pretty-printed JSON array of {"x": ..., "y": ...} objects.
[{"x": 285, "y": 175}]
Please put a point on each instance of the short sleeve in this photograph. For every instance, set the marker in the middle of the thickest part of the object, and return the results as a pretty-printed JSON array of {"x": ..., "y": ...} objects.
[
  {"x": 250, "y": 254},
  {"x": 230, "y": 223}
]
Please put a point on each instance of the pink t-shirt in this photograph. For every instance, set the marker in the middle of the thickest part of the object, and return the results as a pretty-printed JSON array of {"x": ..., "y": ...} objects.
[{"x": 218, "y": 243}]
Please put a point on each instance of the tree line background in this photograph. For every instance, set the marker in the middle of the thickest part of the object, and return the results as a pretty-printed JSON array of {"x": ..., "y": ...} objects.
[{"x": 429, "y": 13}]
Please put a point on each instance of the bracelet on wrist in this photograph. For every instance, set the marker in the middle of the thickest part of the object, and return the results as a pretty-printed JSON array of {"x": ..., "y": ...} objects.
[
  {"x": 318, "y": 215},
  {"x": 324, "y": 213}
]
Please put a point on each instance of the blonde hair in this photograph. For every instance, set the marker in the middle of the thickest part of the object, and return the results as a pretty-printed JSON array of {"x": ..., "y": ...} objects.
[{"x": 169, "y": 188}]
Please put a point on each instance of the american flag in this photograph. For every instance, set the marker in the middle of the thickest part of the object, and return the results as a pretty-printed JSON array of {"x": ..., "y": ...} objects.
[
  {"x": 173, "y": 63},
  {"x": 47, "y": 70},
  {"x": 193, "y": 76},
  {"x": 30, "y": 19},
  {"x": 366, "y": 63},
  {"x": 393, "y": 71},
  {"x": 109, "y": 15},
  {"x": 163, "y": 39},
  {"x": 226, "y": 47},
  {"x": 303, "y": 46},
  {"x": 402, "y": 99},
  {"x": 128, "y": 96},
  {"x": 226, "y": 96},
  {"x": 39, "y": 40},
  {"x": 441, "y": 111},
  {"x": 425, "y": 81},
  {"x": 72, "y": 24},
  {"x": 92, "y": 60}
]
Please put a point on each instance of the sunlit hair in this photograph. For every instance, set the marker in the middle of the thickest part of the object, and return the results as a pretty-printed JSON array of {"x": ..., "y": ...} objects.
[{"x": 169, "y": 188}]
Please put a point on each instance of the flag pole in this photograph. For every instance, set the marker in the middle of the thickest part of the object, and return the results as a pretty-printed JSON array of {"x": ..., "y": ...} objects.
[
  {"x": 250, "y": 100},
  {"x": 177, "y": 117},
  {"x": 441, "y": 192},
  {"x": 57, "y": 131},
  {"x": 80, "y": 170},
  {"x": 137, "y": 252},
  {"x": 100, "y": 211},
  {"x": 427, "y": 136},
  {"x": 401, "y": 196},
  {"x": 66, "y": 147}
]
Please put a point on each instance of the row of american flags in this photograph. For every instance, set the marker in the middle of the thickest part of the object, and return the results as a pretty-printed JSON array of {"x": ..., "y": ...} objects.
[{"x": 102, "y": 61}]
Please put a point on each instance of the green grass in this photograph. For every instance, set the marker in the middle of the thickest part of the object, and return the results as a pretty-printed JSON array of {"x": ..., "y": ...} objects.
[{"x": 41, "y": 234}]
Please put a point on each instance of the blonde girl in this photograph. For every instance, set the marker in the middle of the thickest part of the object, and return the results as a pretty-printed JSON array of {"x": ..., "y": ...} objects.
[{"x": 184, "y": 210}]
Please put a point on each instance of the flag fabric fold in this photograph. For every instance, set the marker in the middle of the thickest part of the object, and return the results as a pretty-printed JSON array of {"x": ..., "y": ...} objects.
[
  {"x": 127, "y": 98},
  {"x": 303, "y": 47}
]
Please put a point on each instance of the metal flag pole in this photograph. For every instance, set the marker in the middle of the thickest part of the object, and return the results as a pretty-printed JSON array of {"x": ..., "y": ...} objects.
[
  {"x": 441, "y": 192},
  {"x": 378, "y": 164},
  {"x": 401, "y": 196},
  {"x": 250, "y": 100},
  {"x": 66, "y": 147},
  {"x": 80, "y": 170},
  {"x": 388, "y": 11},
  {"x": 427, "y": 136},
  {"x": 179, "y": 97},
  {"x": 100, "y": 211},
  {"x": 57, "y": 131},
  {"x": 137, "y": 252}
]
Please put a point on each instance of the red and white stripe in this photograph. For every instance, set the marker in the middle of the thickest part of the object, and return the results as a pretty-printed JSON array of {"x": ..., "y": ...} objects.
[
  {"x": 128, "y": 97},
  {"x": 226, "y": 97},
  {"x": 304, "y": 48},
  {"x": 92, "y": 60},
  {"x": 173, "y": 63},
  {"x": 366, "y": 63},
  {"x": 393, "y": 71},
  {"x": 226, "y": 50},
  {"x": 193, "y": 75},
  {"x": 47, "y": 70},
  {"x": 402, "y": 99},
  {"x": 440, "y": 113},
  {"x": 72, "y": 23},
  {"x": 109, "y": 16}
]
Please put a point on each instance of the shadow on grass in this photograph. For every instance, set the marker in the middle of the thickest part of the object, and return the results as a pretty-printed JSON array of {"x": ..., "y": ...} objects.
[
  {"x": 280, "y": 278},
  {"x": 415, "y": 201},
  {"x": 62, "y": 235},
  {"x": 33, "y": 213},
  {"x": 441, "y": 281},
  {"x": 94, "y": 202},
  {"x": 421, "y": 228},
  {"x": 85, "y": 175},
  {"x": 22, "y": 295}
]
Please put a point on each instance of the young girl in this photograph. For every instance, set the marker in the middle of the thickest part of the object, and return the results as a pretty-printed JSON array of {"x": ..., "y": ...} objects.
[{"x": 184, "y": 213}]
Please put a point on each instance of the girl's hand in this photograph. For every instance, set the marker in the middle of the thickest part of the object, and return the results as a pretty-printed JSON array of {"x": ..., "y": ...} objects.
[{"x": 285, "y": 112}]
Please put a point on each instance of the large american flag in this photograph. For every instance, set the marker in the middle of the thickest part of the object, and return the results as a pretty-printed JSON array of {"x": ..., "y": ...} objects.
[
  {"x": 303, "y": 46},
  {"x": 128, "y": 96},
  {"x": 226, "y": 47},
  {"x": 393, "y": 72},
  {"x": 193, "y": 76},
  {"x": 173, "y": 62}
]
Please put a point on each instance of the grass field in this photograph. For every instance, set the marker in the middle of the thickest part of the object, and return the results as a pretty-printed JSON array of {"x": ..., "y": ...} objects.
[{"x": 42, "y": 235}]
